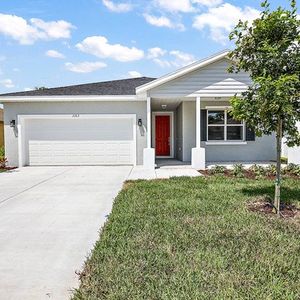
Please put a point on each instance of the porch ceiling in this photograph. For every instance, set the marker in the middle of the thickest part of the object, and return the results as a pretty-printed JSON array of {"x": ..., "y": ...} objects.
[{"x": 156, "y": 104}]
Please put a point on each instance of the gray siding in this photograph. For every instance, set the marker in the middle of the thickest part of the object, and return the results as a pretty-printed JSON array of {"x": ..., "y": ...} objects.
[
  {"x": 263, "y": 149},
  {"x": 211, "y": 79},
  {"x": 12, "y": 110},
  {"x": 189, "y": 129}
]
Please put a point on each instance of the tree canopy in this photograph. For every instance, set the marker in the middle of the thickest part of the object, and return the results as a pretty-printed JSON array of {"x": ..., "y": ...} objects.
[{"x": 269, "y": 50}]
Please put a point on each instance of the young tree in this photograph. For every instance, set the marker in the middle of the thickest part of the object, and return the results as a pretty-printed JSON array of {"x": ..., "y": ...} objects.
[{"x": 269, "y": 50}]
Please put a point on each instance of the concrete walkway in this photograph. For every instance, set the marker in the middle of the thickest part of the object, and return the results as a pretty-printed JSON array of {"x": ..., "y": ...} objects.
[
  {"x": 49, "y": 221},
  {"x": 165, "y": 168}
]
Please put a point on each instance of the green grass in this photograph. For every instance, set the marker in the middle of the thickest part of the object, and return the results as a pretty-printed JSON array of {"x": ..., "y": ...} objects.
[{"x": 195, "y": 239}]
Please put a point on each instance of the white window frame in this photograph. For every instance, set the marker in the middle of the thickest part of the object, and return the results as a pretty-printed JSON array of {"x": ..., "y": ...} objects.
[{"x": 225, "y": 125}]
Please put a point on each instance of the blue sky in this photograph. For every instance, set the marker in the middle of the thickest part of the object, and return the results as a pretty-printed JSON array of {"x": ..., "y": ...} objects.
[{"x": 63, "y": 42}]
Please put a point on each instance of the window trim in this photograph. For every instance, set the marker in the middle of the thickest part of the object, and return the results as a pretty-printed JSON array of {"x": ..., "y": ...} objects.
[{"x": 225, "y": 125}]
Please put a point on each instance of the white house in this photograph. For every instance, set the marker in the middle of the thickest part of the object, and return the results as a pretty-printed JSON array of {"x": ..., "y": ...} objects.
[
  {"x": 183, "y": 115},
  {"x": 294, "y": 153}
]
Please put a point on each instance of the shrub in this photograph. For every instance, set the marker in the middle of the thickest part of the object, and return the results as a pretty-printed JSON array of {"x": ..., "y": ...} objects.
[
  {"x": 238, "y": 170},
  {"x": 2, "y": 152},
  {"x": 217, "y": 170},
  {"x": 3, "y": 162},
  {"x": 284, "y": 160},
  {"x": 292, "y": 169},
  {"x": 258, "y": 171},
  {"x": 289, "y": 169},
  {"x": 271, "y": 170}
]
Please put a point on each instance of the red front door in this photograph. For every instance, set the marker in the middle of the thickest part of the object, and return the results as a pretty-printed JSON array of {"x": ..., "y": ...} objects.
[{"x": 162, "y": 135}]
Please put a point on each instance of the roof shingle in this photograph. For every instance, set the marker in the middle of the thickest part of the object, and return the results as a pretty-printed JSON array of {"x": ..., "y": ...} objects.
[{"x": 111, "y": 88}]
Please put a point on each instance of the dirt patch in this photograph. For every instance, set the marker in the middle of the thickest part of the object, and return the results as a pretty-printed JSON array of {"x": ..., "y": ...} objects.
[{"x": 264, "y": 206}]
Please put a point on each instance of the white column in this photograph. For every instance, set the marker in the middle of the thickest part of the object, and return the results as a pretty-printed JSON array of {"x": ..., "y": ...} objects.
[
  {"x": 198, "y": 153},
  {"x": 148, "y": 122},
  {"x": 149, "y": 153},
  {"x": 198, "y": 123}
]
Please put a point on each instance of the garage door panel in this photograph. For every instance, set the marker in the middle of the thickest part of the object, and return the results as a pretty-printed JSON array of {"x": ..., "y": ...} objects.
[
  {"x": 52, "y": 143},
  {"x": 53, "y": 153}
]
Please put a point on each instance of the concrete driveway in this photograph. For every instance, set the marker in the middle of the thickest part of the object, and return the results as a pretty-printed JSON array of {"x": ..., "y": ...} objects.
[{"x": 49, "y": 221}]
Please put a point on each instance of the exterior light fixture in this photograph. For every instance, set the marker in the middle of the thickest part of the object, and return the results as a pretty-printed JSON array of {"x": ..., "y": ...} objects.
[
  {"x": 13, "y": 123},
  {"x": 140, "y": 122},
  {"x": 164, "y": 106}
]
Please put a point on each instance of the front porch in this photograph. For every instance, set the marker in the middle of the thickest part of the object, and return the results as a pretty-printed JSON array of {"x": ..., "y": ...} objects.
[
  {"x": 199, "y": 131},
  {"x": 174, "y": 132}
]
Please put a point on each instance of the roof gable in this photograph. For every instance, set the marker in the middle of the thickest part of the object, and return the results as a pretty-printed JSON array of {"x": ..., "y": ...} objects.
[
  {"x": 210, "y": 80},
  {"x": 183, "y": 71}
]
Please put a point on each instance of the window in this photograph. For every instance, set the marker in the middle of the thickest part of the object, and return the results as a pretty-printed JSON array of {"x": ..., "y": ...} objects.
[{"x": 221, "y": 126}]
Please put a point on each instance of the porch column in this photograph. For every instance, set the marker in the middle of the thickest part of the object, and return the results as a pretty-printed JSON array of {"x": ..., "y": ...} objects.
[
  {"x": 148, "y": 122},
  {"x": 198, "y": 123},
  {"x": 198, "y": 153},
  {"x": 149, "y": 153}
]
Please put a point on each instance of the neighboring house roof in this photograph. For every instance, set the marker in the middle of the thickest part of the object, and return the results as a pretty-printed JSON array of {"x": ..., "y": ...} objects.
[
  {"x": 181, "y": 72},
  {"x": 107, "y": 88}
]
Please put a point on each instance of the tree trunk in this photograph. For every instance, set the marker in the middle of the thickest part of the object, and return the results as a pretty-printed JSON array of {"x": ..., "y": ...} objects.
[{"x": 278, "y": 167}]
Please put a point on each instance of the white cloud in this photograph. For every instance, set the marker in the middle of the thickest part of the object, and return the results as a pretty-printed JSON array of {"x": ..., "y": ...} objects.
[
  {"x": 2, "y": 58},
  {"x": 163, "y": 63},
  {"x": 54, "y": 54},
  {"x": 175, "y": 5},
  {"x": 117, "y": 7},
  {"x": 155, "y": 52},
  {"x": 27, "y": 33},
  {"x": 16, "y": 69},
  {"x": 134, "y": 74},
  {"x": 27, "y": 89},
  {"x": 99, "y": 46},
  {"x": 221, "y": 20},
  {"x": 181, "y": 58},
  {"x": 209, "y": 3},
  {"x": 163, "y": 22},
  {"x": 174, "y": 58},
  {"x": 55, "y": 29},
  {"x": 85, "y": 67},
  {"x": 8, "y": 83}
]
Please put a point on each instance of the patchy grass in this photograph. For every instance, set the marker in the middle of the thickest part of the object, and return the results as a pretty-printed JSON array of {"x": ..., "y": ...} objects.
[{"x": 195, "y": 239}]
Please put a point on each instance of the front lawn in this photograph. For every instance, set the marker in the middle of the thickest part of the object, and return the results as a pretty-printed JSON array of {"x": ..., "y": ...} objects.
[{"x": 195, "y": 239}]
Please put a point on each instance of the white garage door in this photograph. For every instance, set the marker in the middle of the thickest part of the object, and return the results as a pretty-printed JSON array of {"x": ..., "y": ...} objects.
[{"x": 80, "y": 141}]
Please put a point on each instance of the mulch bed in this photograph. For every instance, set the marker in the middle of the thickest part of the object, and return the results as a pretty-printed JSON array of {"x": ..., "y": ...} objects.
[
  {"x": 264, "y": 206},
  {"x": 246, "y": 174},
  {"x": 7, "y": 169}
]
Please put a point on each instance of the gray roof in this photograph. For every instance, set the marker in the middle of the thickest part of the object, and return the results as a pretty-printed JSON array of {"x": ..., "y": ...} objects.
[{"x": 114, "y": 87}]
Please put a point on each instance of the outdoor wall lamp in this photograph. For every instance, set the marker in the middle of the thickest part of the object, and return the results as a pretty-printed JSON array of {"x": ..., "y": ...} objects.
[
  {"x": 13, "y": 123},
  {"x": 140, "y": 122}
]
